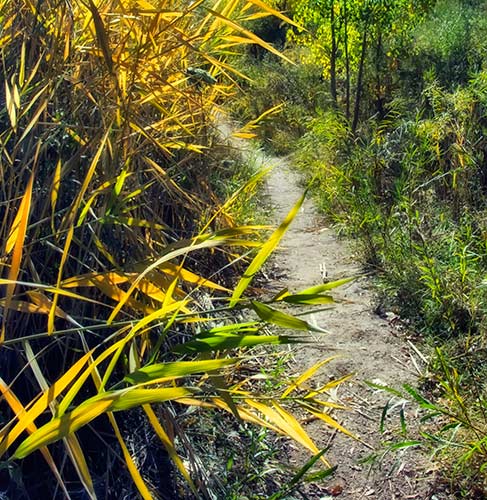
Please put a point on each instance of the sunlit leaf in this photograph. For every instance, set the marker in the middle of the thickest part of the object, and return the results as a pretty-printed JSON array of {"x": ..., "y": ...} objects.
[
  {"x": 264, "y": 253},
  {"x": 279, "y": 318},
  {"x": 176, "y": 369}
]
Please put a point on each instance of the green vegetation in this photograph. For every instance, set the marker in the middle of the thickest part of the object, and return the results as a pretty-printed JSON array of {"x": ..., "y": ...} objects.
[
  {"x": 126, "y": 223},
  {"x": 119, "y": 206},
  {"x": 395, "y": 147}
]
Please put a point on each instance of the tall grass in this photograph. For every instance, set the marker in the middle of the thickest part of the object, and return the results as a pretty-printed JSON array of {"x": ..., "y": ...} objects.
[{"x": 110, "y": 231}]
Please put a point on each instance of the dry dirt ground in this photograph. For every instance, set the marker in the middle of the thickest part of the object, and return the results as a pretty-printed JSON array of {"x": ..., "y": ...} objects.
[{"x": 372, "y": 347}]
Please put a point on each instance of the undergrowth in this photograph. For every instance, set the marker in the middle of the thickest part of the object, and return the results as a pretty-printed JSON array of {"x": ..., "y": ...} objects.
[
  {"x": 121, "y": 214},
  {"x": 408, "y": 183}
]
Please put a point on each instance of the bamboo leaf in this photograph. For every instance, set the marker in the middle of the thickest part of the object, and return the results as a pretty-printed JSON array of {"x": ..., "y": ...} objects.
[
  {"x": 18, "y": 410},
  {"x": 176, "y": 369},
  {"x": 251, "y": 36},
  {"x": 332, "y": 423},
  {"x": 318, "y": 289},
  {"x": 41, "y": 404},
  {"x": 306, "y": 376},
  {"x": 71, "y": 442},
  {"x": 168, "y": 445},
  {"x": 424, "y": 403},
  {"x": 286, "y": 423},
  {"x": 203, "y": 343},
  {"x": 9, "y": 101},
  {"x": 61, "y": 427},
  {"x": 102, "y": 36},
  {"x": 308, "y": 299},
  {"x": 279, "y": 318},
  {"x": 16, "y": 240},
  {"x": 264, "y": 253}
]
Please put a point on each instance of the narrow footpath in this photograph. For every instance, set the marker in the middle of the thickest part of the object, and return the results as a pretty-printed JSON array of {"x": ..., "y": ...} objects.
[
  {"x": 370, "y": 346},
  {"x": 373, "y": 347}
]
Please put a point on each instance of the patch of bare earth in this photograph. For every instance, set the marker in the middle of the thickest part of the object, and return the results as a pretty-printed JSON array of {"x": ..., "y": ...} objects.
[{"x": 374, "y": 348}]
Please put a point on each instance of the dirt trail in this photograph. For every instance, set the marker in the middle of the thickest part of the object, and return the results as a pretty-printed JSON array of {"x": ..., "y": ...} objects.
[
  {"x": 370, "y": 346},
  {"x": 367, "y": 345}
]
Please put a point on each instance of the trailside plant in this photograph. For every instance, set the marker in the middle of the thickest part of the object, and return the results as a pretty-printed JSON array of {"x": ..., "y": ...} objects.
[{"x": 108, "y": 109}]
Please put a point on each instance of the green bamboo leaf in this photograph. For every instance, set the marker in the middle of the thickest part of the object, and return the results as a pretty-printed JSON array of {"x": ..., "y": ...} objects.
[
  {"x": 61, "y": 427},
  {"x": 424, "y": 403},
  {"x": 264, "y": 253},
  {"x": 320, "y": 475},
  {"x": 309, "y": 299},
  {"x": 250, "y": 326},
  {"x": 280, "y": 295},
  {"x": 383, "y": 416},
  {"x": 288, "y": 487},
  {"x": 385, "y": 388},
  {"x": 140, "y": 396},
  {"x": 315, "y": 290},
  {"x": 405, "y": 444},
  {"x": 176, "y": 369},
  {"x": 279, "y": 318},
  {"x": 206, "y": 343}
]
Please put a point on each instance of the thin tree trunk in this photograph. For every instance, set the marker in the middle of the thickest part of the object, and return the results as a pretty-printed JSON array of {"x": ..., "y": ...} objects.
[
  {"x": 360, "y": 77},
  {"x": 347, "y": 61},
  {"x": 333, "y": 57},
  {"x": 378, "y": 70}
]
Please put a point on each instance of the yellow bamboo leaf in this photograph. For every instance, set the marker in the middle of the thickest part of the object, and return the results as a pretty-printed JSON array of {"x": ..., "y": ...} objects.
[
  {"x": 186, "y": 275},
  {"x": 49, "y": 289},
  {"x": 61, "y": 427},
  {"x": 20, "y": 221},
  {"x": 209, "y": 243},
  {"x": 10, "y": 104},
  {"x": 91, "y": 370},
  {"x": 35, "y": 118},
  {"x": 69, "y": 221},
  {"x": 168, "y": 445},
  {"x": 244, "y": 135},
  {"x": 329, "y": 385},
  {"x": 264, "y": 253},
  {"x": 117, "y": 294},
  {"x": 17, "y": 237},
  {"x": 78, "y": 460},
  {"x": 131, "y": 466},
  {"x": 332, "y": 423},
  {"x": 286, "y": 424},
  {"x": 91, "y": 279},
  {"x": 30, "y": 308},
  {"x": 45, "y": 304},
  {"x": 19, "y": 409},
  {"x": 244, "y": 413},
  {"x": 329, "y": 404},
  {"x": 265, "y": 7},
  {"x": 71, "y": 442},
  {"x": 305, "y": 376},
  {"x": 56, "y": 184},
  {"x": 37, "y": 408},
  {"x": 151, "y": 290},
  {"x": 22, "y": 64},
  {"x": 250, "y": 35},
  {"x": 16, "y": 94}
]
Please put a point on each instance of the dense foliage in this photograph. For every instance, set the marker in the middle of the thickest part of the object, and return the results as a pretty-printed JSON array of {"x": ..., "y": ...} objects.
[
  {"x": 397, "y": 153},
  {"x": 118, "y": 230}
]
